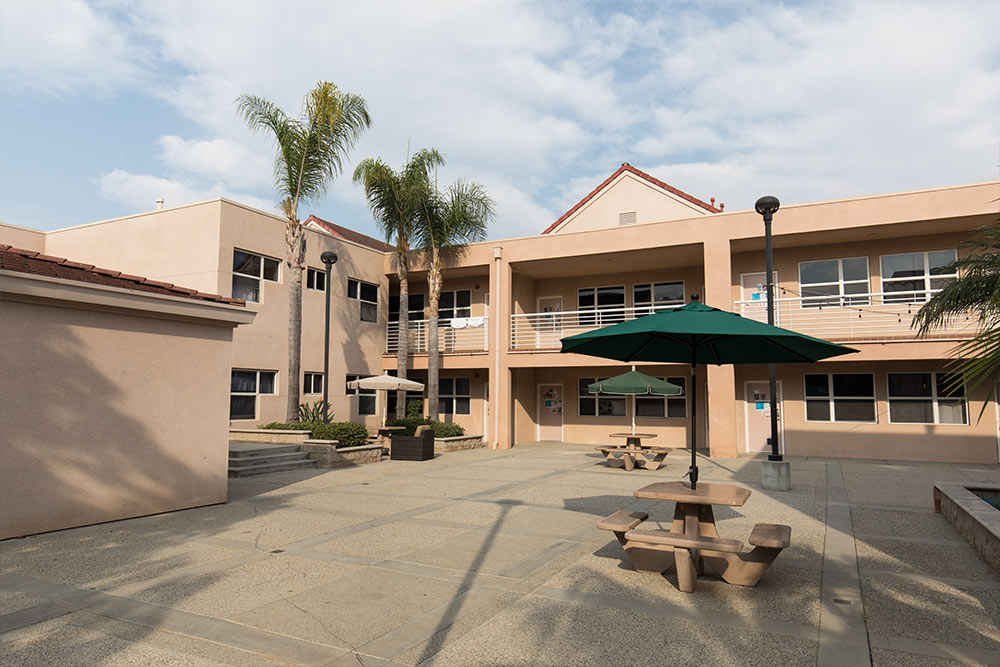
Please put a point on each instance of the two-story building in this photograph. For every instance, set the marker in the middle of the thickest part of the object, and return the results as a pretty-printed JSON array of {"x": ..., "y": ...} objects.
[{"x": 852, "y": 271}]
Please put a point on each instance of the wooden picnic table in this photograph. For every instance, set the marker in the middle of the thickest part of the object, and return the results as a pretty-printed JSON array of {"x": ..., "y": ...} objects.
[{"x": 633, "y": 439}]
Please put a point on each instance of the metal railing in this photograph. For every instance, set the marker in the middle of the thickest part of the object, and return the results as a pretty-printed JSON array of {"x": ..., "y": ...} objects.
[
  {"x": 463, "y": 334},
  {"x": 874, "y": 316},
  {"x": 542, "y": 331}
]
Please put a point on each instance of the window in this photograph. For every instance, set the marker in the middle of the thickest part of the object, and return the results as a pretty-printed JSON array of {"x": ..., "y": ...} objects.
[
  {"x": 664, "y": 406},
  {"x": 455, "y": 396},
  {"x": 313, "y": 383},
  {"x": 416, "y": 310},
  {"x": 367, "y": 294},
  {"x": 598, "y": 405},
  {"x": 316, "y": 279},
  {"x": 649, "y": 298},
  {"x": 840, "y": 397},
  {"x": 912, "y": 277},
  {"x": 456, "y": 303},
  {"x": 927, "y": 398},
  {"x": 248, "y": 270},
  {"x": 601, "y": 299},
  {"x": 366, "y": 397},
  {"x": 244, "y": 387},
  {"x": 834, "y": 278},
  {"x": 412, "y": 397}
]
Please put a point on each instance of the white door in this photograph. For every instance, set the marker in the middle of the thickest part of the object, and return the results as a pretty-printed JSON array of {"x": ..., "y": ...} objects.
[
  {"x": 757, "y": 416},
  {"x": 550, "y": 417},
  {"x": 753, "y": 288}
]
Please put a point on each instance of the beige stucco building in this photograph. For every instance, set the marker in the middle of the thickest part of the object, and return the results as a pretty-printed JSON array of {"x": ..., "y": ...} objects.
[{"x": 853, "y": 271}]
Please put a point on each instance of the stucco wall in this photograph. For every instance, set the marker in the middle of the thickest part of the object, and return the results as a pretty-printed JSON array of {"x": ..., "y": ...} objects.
[
  {"x": 107, "y": 416},
  {"x": 19, "y": 237}
]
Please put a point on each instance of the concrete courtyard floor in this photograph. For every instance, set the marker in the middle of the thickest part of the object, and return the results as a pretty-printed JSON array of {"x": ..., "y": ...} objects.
[{"x": 493, "y": 558}]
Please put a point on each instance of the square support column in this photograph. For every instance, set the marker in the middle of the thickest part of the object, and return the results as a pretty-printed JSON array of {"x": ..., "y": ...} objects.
[
  {"x": 722, "y": 399},
  {"x": 500, "y": 379}
]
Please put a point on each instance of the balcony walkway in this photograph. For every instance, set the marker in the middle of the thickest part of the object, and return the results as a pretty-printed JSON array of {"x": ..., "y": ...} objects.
[{"x": 493, "y": 558}]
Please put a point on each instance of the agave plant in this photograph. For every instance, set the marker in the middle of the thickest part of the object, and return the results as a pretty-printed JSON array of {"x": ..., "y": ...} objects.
[{"x": 317, "y": 412}]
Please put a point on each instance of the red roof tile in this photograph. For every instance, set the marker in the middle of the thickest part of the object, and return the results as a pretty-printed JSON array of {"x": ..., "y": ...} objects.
[
  {"x": 28, "y": 261},
  {"x": 641, "y": 174},
  {"x": 350, "y": 235}
]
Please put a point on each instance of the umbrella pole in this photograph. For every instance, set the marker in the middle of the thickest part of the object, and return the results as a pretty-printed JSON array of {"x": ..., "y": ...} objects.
[
  {"x": 693, "y": 470},
  {"x": 633, "y": 412}
]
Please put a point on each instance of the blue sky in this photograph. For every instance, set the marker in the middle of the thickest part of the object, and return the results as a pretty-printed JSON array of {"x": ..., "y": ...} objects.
[{"x": 111, "y": 104}]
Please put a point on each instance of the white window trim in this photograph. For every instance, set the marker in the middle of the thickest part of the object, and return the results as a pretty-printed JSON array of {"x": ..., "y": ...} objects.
[
  {"x": 927, "y": 277},
  {"x": 361, "y": 301},
  {"x": 310, "y": 271},
  {"x": 933, "y": 398},
  {"x": 840, "y": 282},
  {"x": 597, "y": 398},
  {"x": 411, "y": 312},
  {"x": 305, "y": 382},
  {"x": 260, "y": 274},
  {"x": 654, "y": 305},
  {"x": 666, "y": 400},
  {"x": 831, "y": 397},
  {"x": 451, "y": 397},
  {"x": 454, "y": 301},
  {"x": 256, "y": 393}
]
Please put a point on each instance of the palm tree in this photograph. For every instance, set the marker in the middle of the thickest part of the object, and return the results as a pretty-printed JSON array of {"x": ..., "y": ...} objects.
[
  {"x": 396, "y": 199},
  {"x": 454, "y": 218},
  {"x": 976, "y": 291},
  {"x": 311, "y": 151}
]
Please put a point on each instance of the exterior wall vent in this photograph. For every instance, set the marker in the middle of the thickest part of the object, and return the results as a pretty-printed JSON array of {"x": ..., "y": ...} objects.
[{"x": 627, "y": 218}]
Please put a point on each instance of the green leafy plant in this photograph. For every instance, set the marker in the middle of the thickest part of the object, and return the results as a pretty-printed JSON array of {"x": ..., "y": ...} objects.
[
  {"x": 347, "y": 434},
  {"x": 441, "y": 429},
  {"x": 415, "y": 408},
  {"x": 291, "y": 426},
  {"x": 315, "y": 412},
  {"x": 446, "y": 430}
]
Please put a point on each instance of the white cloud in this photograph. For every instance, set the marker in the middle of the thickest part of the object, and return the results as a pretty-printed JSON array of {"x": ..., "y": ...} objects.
[
  {"x": 63, "y": 46},
  {"x": 217, "y": 159},
  {"x": 140, "y": 191}
]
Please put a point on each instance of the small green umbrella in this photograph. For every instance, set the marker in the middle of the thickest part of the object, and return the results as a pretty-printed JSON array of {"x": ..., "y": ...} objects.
[
  {"x": 699, "y": 334},
  {"x": 635, "y": 383}
]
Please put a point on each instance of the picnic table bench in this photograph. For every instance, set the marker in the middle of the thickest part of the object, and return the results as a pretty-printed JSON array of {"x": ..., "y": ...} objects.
[
  {"x": 692, "y": 541},
  {"x": 630, "y": 457}
]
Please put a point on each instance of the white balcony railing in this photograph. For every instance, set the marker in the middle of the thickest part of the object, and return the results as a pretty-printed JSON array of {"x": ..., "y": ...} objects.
[
  {"x": 465, "y": 334},
  {"x": 542, "y": 331},
  {"x": 877, "y": 316}
]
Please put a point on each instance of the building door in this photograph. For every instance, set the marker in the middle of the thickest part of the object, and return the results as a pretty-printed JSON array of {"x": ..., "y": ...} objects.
[
  {"x": 549, "y": 329},
  {"x": 550, "y": 407},
  {"x": 757, "y": 407},
  {"x": 753, "y": 288}
]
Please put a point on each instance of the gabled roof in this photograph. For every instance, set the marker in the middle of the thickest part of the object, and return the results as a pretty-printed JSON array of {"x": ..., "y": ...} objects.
[
  {"x": 29, "y": 261},
  {"x": 350, "y": 235},
  {"x": 641, "y": 174}
]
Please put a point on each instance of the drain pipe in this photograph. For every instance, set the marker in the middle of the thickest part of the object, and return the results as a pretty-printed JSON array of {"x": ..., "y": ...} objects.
[{"x": 497, "y": 254}]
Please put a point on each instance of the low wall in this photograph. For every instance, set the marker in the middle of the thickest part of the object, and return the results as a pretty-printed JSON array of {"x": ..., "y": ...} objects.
[
  {"x": 457, "y": 443},
  {"x": 971, "y": 516},
  {"x": 271, "y": 436},
  {"x": 327, "y": 455}
]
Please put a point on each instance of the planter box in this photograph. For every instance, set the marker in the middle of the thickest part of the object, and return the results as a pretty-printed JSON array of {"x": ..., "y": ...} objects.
[
  {"x": 272, "y": 436},
  {"x": 971, "y": 516},
  {"x": 412, "y": 448},
  {"x": 326, "y": 454},
  {"x": 458, "y": 443}
]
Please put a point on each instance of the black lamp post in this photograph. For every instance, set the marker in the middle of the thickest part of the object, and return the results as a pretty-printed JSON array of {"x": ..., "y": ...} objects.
[
  {"x": 329, "y": 258},
  {"x": 767, "y": 206}
]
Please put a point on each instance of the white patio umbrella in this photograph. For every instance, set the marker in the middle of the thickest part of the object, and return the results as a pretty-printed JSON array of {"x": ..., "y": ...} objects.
[{"x": 385, "y": 383}]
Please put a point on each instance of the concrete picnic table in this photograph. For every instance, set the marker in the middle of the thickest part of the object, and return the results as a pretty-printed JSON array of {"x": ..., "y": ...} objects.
[
  {"x": 633, "y": 439},
  {"x": 630, "y": 456}
]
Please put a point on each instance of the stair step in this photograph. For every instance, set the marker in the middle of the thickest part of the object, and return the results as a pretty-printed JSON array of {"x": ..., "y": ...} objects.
[
  {"x": 266, "y": 468},
  {"x": 282, "y": 457},
  {"x": 240, "y": 450}
]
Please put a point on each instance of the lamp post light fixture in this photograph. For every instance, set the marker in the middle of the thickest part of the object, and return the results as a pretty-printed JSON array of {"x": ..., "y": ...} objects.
[
  {"x": 329, "y": 258},
  {"x": 776, "y": 471}
]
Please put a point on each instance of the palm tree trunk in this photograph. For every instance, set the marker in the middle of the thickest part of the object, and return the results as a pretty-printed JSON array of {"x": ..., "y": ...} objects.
[
  {"x": 403, "y": 337},
  {"x": 433, "y": 353},
  {"x": 296, "y": 246}
]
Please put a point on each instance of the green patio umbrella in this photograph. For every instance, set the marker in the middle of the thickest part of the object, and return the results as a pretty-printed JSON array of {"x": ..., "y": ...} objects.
[
  {"x": 633, "y": 384},
  {"x": 699, "y": 334}
]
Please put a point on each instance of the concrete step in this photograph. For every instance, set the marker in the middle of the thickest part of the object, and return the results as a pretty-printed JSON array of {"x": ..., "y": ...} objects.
[
  {"x": 280, "y": 457},
  {"x": 241, "y": 450},
  {"x": 269, "y": 467}
]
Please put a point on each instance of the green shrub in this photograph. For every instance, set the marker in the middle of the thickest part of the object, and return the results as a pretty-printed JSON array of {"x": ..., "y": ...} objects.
[
  {"x": 315, "y": 412},
  {"x": 415, "y": 407},
  {"x": 292, "y": 426},
  {"x": 347, "y": 434},
  {"x": 441, "y": 429}
]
